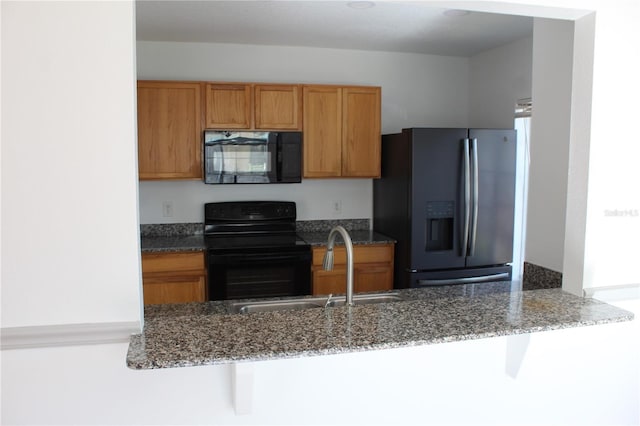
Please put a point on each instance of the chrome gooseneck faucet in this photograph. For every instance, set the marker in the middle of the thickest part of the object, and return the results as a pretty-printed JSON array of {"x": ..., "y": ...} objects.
[{"x": 327, "y": 262}]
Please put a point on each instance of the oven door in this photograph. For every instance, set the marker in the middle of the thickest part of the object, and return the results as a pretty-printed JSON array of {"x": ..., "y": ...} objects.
[{"x": 274, "y": 273}]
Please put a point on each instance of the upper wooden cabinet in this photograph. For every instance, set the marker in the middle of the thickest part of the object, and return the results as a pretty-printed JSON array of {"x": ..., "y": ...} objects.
[
  {"x": 228, "y": 106},
  {"x": 322, "y": 106},
  {"x": 169, "y": 130},
  {"x": 249, "y": 106},
  {"x": 278, "y": 107},
  {"x": 341, "y": 131},
  {"x": 361, "y": 143}
]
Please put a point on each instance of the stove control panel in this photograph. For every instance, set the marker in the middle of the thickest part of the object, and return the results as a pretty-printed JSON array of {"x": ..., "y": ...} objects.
[{"x": 248, "y": 211}]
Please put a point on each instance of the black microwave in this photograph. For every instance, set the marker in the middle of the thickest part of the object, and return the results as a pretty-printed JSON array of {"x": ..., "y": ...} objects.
[{"x": 252, "y": 157}]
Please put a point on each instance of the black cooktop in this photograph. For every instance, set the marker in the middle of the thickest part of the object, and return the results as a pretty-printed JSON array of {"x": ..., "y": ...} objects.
[{"x": 262, "y": 225}]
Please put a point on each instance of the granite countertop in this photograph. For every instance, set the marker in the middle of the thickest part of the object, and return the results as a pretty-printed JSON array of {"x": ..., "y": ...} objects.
[
  {"x": 171, "y": 237},
  {"x": 195, "y": 242},
  {"x": 159, "y": 244},
  {"x": 183, "y": 243},
  {"x": 206, "y": 333}
]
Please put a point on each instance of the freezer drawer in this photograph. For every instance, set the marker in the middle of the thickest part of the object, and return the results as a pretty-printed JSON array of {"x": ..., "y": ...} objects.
[{"x": 459, "y": 276}]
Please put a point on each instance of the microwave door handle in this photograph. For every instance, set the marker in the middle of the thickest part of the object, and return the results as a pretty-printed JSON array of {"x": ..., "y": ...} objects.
[
  {"x": 238, "y": 141},
  {"x": 278, "y": 157},
  {"x": 220, "y": 170}
]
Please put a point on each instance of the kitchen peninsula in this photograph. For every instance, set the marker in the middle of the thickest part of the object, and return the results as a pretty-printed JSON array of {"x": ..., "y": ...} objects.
[{"x": 207, "y": 333}]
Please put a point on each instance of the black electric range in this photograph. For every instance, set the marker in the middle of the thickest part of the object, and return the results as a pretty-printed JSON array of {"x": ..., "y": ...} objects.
[{"x": 253, "y": 250}]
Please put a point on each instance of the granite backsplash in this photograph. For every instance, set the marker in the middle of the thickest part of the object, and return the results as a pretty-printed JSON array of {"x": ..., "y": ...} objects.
[
  {"x": 171, "y": 229},
  {"x": 187, "y": 229},
  {"x": 535, "y": 277},
  {"x": 326, "y": 225}
]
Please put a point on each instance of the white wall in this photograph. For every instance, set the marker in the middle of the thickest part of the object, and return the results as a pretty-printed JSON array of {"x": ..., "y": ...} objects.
[
  {"x": 417, "y": 90},
  {"x": 70, "y": 250},
  {"x": 313, "y": 197},
  {"x": 584, "y": 376},
  {"x": 498, "y": 78},
  {"x": 613, "y": 217},
  {"x": 549, "y": 150}
]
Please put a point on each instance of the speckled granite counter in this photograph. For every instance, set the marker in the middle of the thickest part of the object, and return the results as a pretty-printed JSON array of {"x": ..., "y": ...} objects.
[
  {"x": 159, "y": 244},
  {"x": 172, "y": 243},
  {"x": 171, "y": 237},
  {"x": 205, "y": 333},
  {"x": 159, "y": 238}
]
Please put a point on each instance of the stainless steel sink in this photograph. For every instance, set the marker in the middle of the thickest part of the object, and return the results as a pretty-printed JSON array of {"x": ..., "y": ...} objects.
[
  {"x": 275, "y": 305},
  {"x": 367, "y": 299},
  {"x": 310, "y": 302}
]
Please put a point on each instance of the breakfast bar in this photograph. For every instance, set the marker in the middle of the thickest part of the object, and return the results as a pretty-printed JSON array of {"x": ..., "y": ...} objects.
[{"x": 209, "y": 333}]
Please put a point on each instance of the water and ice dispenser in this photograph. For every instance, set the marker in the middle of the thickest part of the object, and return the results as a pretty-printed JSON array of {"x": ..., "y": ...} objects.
[{"x": 440, "y": 222}]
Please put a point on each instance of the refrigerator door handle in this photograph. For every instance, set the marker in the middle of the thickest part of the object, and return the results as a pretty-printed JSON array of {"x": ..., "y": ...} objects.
[
  {"x": 467, "y": 198},
  {"x": 502, "y": 276},
  {"x": 474, "y": 216}
]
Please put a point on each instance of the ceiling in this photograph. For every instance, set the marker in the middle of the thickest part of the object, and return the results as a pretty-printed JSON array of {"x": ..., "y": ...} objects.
[{"x": 395, "y": 26}]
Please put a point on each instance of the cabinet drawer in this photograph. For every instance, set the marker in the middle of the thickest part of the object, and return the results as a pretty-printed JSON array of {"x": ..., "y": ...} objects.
[
  {"x": 172, "y": 262},
  {"x": 374, "y": 253},
  {"x": 179, "y": 289}
]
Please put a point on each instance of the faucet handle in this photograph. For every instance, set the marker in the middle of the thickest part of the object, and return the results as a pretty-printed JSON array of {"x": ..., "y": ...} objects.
[{"x": 326, "y": 304}]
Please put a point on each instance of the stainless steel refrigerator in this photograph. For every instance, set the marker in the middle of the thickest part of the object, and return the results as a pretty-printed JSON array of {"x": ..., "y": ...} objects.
[{"x": 447, "y": 197}]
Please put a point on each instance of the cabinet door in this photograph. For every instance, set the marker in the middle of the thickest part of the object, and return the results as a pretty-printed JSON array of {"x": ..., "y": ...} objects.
[
  {"x": 373, "y": 278},
  {"x": 169, "y": 130},
  {"x": 322, "y": 124},
  {"x": 373, "y": 269},
  {"x": 177, "y": 277},
  {"x": 329, "y": 282},
  {"x": 172, "y": 262},
  {"x": 228, "y": 106},
  {"x": 361, "y": 132},
  {"x": 278, "y": 107},
  {"x": 174, "y": 289}
]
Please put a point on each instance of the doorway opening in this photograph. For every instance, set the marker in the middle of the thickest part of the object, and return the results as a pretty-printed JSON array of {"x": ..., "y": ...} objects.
[{"x": 522, "y": 125}]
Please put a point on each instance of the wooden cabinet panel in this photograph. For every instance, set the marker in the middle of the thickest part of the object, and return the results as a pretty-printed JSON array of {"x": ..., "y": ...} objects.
[
  {"x": 172, "y": 262},
  {"x": 329, "y": 282},
  {"x": 278, "y": 107},
  {"x": 173, "y": 277},
  {"x": 322, "y": 124},
  {"x": 228, "y": 106},
  {"x": 372, "y": 269},
  {"x": 341, "y": 131},
  {"x": 179, "y": 289},
  {"x": 361, "y": 132},
  {"x": 169, "y": 130},
  {"x": 368, "y": 253},
  {"x": 373, "y": 278}
]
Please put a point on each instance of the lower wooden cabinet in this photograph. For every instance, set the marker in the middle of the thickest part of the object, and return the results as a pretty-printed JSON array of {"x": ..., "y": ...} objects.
[
  {"x": 173, "y": 277},
  {"x": 372, "y": 269}
]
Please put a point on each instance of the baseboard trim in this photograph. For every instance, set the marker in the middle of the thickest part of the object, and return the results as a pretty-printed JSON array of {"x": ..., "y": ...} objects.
[
  {"x": 67, "y": 335},
  {"x": 614, "y": 292}
]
